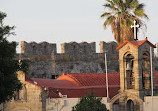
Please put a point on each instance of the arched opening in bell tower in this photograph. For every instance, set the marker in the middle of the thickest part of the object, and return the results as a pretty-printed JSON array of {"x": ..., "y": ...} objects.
[
  {"x": 129, "y": 71},
  {"x": 146, "y": 71}
]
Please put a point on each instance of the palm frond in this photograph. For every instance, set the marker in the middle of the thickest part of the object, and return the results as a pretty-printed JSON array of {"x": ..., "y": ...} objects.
[
  {"x": 139, "y": 12},
  {"x": 134, "y": 4},
  {"x": 133, "y": 17},
  {"x": 109, "y": 20},
  {"x": 146, "y": 16},
  {"x": 117, "y": 2},
  {"x": 140, "y": 6},
  {"x": 111, "y": 7},
  {"x": 128, "y": 1},
  {"x": 129, "y": 21},
  {"x": 107, "y": 5},
  {"x": 112, "y": 2},
  {"x": 105, "y": 14}
]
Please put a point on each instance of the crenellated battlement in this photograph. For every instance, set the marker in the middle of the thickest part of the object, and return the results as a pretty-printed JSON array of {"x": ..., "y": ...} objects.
[
  {"x": 109, "y": 47},
  {"x": 71, "y": 48},
  {"x": 74, "y": 57},
  {"x": 33, "y": 48},
  {"x": 74, "y": 48}
]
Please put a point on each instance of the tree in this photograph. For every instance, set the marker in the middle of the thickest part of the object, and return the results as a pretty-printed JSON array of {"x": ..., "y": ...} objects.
[
  {"x": 9, "y": 82},
  {"x": 120, "y": 15},
  {"x": 90, "y": 103}
]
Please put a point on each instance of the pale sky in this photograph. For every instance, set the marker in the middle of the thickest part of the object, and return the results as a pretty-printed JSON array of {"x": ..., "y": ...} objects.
[{"x": 58, "y": 21}]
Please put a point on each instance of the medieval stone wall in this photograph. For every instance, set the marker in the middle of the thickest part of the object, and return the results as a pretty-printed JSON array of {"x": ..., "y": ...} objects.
[
  {"x": 112, "y": 55},
  {"x": 74, "y": 58},
  {"x": 33, "y": 48},
  {"x": 74, "y": 48}
]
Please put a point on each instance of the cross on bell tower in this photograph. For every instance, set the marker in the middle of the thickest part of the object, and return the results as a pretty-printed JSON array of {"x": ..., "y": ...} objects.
[{"x": 135, "y": 26}]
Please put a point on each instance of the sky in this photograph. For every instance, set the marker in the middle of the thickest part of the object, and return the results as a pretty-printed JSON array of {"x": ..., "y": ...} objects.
[{"x": 59, "y": 21}]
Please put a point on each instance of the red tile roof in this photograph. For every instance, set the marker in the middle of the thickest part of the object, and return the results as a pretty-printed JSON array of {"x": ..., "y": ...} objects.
[
  {"x": 54, "y": 83},
  {"x": 92, "y": 79},
  {"x": 80, "y": 92},
  {"x": 77, "y": 85},
  {"x": 30, "y": 81},
  {"x": 136, "y": 43}
]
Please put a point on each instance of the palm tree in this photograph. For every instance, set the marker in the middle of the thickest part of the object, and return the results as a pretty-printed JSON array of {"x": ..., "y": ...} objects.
[{"x": 120, "y": 15}]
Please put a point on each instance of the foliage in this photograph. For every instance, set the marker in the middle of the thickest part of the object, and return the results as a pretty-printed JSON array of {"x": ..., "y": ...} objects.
[
  {"x": 90, "y": 103},
  {"x": 24, "y": 65},
  {"x": 8, "y": 65},
  {"x": 120, "y": 15}
]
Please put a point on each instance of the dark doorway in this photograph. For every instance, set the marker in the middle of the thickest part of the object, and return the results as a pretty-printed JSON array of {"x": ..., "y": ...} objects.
[{"x": 130, "y": 105}]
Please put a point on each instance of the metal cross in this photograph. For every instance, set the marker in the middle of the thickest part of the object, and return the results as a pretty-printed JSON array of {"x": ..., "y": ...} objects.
[{"x": 135, "y": 29}]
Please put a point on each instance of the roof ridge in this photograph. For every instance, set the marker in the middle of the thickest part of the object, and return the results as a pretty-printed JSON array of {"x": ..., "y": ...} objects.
[
  {"x": 134, "y": 43},
  {"x": 31, "y": 81},
  {"x": 73, "y": 79}
]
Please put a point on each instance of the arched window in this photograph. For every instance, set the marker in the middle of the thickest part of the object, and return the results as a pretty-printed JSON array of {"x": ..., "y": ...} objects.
[
  {"x": 129, "y": 71},
  {"x": 146, "y": 71},
  {"x": 21, "y": 94}
]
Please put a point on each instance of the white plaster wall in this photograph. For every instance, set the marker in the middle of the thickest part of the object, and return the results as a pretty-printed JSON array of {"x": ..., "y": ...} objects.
[
  {"x": 150, "y": 103},
  {"x": 66, "y": 104}
]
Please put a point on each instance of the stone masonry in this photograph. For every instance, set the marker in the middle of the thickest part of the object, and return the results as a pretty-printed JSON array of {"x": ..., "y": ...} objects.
[
  {"x": 42, "y": 48},
  {"x": 31, "y": 97},
  {"x": 74, "y": 58}
]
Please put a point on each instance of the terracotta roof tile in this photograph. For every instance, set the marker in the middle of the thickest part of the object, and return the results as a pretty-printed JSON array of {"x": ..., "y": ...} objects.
[
  {"x": 77, "y": 85},
  {"x": 136, "y": 43},
  {"x": 54, "y": 83},
  {"x": 30, "y": 81},
  {"x": 94, "y": 79},
  {"x": 80, "y": 92}
]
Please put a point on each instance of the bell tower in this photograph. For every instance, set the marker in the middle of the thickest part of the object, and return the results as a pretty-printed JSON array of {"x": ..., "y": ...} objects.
[{"x": 135, "y": 67}]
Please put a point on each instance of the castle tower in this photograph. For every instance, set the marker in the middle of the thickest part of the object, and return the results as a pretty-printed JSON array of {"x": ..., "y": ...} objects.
[{"x": 135, "y": 68}]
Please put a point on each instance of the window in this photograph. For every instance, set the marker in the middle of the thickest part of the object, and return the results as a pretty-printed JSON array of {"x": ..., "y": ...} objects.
[
  {"x": 21, "y": 94},
  {"x": 129, "y": 71},
  {"x": 146, "y": 72}
]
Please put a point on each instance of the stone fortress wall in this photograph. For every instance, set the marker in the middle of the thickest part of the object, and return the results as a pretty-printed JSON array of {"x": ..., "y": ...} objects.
[
  {"x": 74, "y": 58},
  {"x": 33, "y": 48}
]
